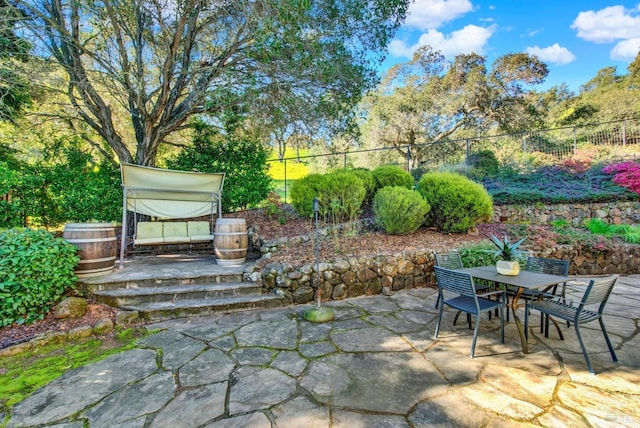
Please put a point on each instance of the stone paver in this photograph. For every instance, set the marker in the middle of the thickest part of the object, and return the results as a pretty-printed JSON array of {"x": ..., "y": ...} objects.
[{"x": 376, "y": 365}]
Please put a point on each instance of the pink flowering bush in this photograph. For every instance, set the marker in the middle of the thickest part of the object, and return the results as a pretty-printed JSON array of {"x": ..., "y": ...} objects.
[{"x": 627, "y": 175}]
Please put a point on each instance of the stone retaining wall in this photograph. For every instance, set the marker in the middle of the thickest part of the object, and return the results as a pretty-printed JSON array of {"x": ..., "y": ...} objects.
[
  {"x": 360, "y": 276},
  {"x": 610, "y": 212}
]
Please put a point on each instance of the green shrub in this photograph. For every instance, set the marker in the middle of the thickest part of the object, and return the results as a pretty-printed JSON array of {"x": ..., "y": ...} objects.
[
  {"x": 457, "y": 203},
  {"x": 366, "y": 175},
  {"x": 399, "y": 210},
  {"x": 242, "y": 158},
  {"x": 303, "y": 191},
  {"x": 480, "y": 254},
  {"x": 35, "y": 270},
  {"x": 484, "y": 163},
  {"x": 341, "y": 195},
  {"x": 392, "y": 175}
]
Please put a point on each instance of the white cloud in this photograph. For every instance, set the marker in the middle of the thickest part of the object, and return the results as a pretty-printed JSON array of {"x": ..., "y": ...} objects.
[
  {"x": 426, "y": 14},
  {"x": 467, "y": 40},
  {"x": 626, "y": 50},
  {"x": 554, "y": 54},
  {"x": 608, "y": 24}
]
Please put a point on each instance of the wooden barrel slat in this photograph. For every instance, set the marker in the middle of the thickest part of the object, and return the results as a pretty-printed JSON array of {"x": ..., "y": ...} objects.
[
  {"x": 230, "y": 241},
  {"x": 97, "y": 247}
]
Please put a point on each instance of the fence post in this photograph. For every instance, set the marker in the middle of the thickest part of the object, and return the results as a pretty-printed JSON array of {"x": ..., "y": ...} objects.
[
  {"x": 624, "y": 133},
  {"x": 345, "y": 160},
  {"x": 408, "y": 158},
  {"x": 575, "y": 141},
  {"x": 285, "y": 181},
  {"x": 468, "y": 151},
  {"x": 524, "y": 144}
]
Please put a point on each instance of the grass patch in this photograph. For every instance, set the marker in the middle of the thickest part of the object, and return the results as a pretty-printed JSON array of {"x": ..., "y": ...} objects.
[
  {"x": 22, "y": 374},
  {"x": 295, "y": 169}
]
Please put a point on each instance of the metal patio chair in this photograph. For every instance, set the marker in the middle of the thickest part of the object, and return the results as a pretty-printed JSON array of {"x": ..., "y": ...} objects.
[
  {"x": 596, "y": 295},
  {"x": 544, "y": 265},
  {"x": 452, "y": 260},
  {"x": 456, "y": 289}
]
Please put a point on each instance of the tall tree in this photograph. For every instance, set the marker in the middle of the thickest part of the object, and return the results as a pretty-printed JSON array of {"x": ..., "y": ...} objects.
[
  {"x": 14, "y": 88},
  {"x": 429, "y": 99},
  {"x": 164, "y": 61}
]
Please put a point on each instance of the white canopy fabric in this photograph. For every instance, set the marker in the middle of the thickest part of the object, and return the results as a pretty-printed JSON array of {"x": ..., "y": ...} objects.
[{"x": 166, "y": 193}]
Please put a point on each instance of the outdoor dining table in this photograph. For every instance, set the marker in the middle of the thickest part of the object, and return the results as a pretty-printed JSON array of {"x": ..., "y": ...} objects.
[{"x": 524, "y": 280}]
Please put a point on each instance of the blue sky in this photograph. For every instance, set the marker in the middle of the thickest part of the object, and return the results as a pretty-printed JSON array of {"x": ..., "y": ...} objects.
[{"x": 574, "y": 38}]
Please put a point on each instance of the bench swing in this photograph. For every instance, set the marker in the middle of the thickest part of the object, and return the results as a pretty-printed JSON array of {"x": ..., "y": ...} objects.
[{"x": 168, "y": 195}]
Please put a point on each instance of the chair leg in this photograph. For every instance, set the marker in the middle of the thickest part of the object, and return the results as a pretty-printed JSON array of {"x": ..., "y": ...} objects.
[
  {"x": 546, "y": 330},
  {"x": 475, "y": 336},
  {"x": 502, "y": 324},
  {"x": 606, "y": 337},
  {"x": 584, "y": 350},
  {"x": 526, "y": 321},
  {"x": 438, "y": 322}
]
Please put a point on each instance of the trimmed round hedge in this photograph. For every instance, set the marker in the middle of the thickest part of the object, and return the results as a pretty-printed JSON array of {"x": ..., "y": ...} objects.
[
  {"x": 457, "y": 203},
  {"x": 392, "y": 175},
  {"x": 399, "y": 210}
]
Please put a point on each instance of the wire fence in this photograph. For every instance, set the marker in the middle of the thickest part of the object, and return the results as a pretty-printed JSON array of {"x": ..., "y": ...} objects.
[{"x": 533, "y": 148}]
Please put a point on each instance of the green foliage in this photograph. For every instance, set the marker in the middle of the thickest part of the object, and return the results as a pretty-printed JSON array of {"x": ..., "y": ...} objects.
[
  {"x": 479, "y": 254},
  {"x": 303, "y": 191},
  {"x": 369, "y": 182},
  {"x": 68, "y": 185},
  {"x": 556, "y": 184},
  {"x": 630, "y": 234},
  {"x": 399, "y": 210},
  {"x": 10, "y": 212},
  {"x": 242, "y": 158},
  {"x": 457, "y": 203},
  {"x": 341, "y": 196},
  {"x": 24, "y": 373},
  {"x": 505, "y": 249},
  {"x": 35, "y": 270},
  {"x": 484, "y": 163},
  {"x": 392, "y": 175}
]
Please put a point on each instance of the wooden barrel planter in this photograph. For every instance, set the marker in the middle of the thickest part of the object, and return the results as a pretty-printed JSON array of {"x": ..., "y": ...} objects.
[
  {"x": 230, "y": 241},
  {"x": 97, "y": 247}
]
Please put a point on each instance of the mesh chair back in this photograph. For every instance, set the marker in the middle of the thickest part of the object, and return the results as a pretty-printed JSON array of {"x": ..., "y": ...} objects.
[
  {"x": 599, "y": 291},
  {"x": 550, "y": 266},
  {"x": 455, "y": 282},
  {"x": 450, "y": 260}
]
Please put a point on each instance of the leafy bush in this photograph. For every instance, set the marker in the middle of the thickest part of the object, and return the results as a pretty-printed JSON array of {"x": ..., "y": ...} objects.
[
  {"x": 35, "y": 270},
  {"x": 68, "y": 185},
  {"x": 484, "y": 162},
  {"x": 457, "y": 203},
  {"x": 392, "y": 175},
  {"x": 243, "y": 160},
  {"x": 399, "y": 210},
  {"x": 303, "y": 191},
  {"x": 626, "y": 175},
  {"x": 341, "y": 195},
  {"x": 368, "y": 181},
  {"x": 479, "y": 254}
]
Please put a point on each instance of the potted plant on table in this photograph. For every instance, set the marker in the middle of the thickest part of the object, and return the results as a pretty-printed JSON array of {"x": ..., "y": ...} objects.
[{"x": 507, "y": 254}]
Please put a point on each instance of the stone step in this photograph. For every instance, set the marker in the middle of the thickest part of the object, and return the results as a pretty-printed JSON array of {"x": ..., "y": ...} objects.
[
  {"x": 196, "y": 307},
  {"x": 134, "y": 296},
  {"x": 110, "y": 283}
]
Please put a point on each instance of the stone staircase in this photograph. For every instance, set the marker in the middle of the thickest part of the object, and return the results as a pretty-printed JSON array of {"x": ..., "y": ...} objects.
[{"x": 178, "y": 288}]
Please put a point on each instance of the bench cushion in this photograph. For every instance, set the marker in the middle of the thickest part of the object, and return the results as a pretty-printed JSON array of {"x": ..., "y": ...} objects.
[
  {"x": 199, "y": 231},
  {"x": 175, "y": 231},
  {"x": 148, "y": 232}
]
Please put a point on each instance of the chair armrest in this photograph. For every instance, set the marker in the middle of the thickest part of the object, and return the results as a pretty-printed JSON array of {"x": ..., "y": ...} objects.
[{"x": 491, "y": 293}]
